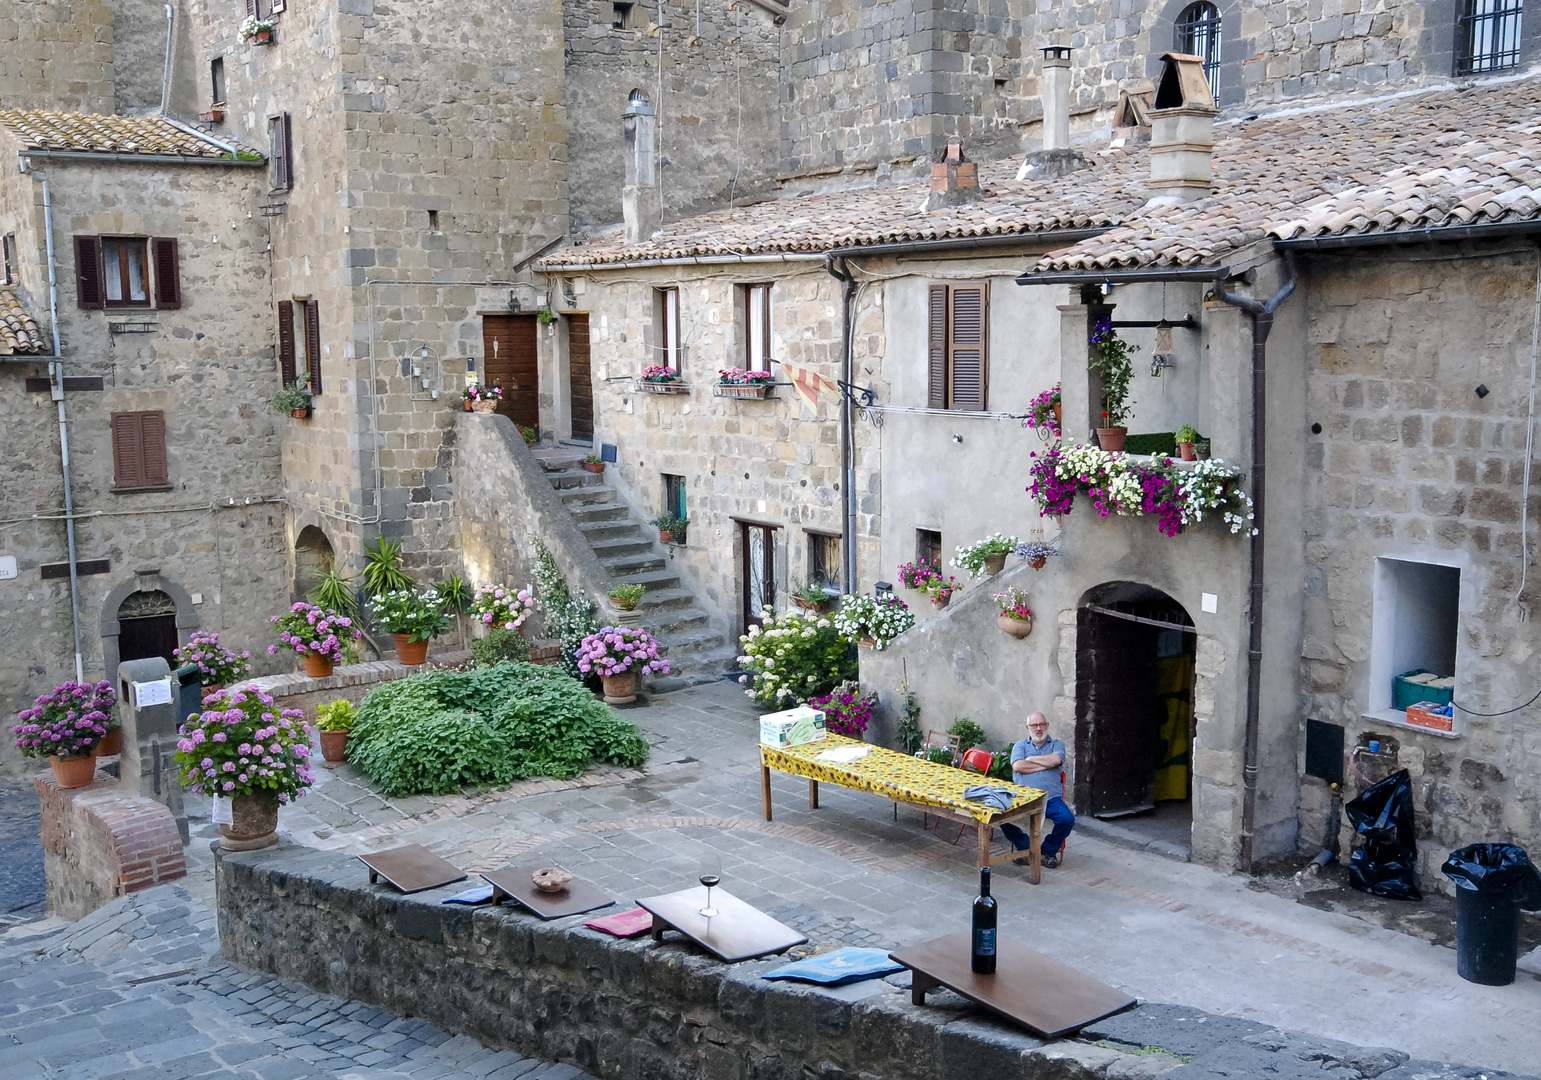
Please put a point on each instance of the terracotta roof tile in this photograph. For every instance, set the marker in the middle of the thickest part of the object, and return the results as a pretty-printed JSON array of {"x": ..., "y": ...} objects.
[
  {"x": 19, "y": 332},
  {"x": 148, "y": 136}
]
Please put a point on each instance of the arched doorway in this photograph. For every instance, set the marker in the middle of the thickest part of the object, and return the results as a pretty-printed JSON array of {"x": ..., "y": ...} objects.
[
  {"x": 313, "y": 556},
  {"x": 1135, "y": 650},
  {"x": 147, "y": 626}
]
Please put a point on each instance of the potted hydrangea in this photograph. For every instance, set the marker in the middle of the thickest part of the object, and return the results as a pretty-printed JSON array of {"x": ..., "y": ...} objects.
[
  {"x": 218, "y": 666},
  {"x": 502, "y": 606},
  {"x": 1016, "y": 618},
  {"x": 741, "y": 383},
  {"x": 872, "y": 620},
  {"x": 987, "y": 556},
  {"x": 317, "y": 634},
  {"x": 243, "y": 748},
  {"x": 790, "y": 657},
  {"x": 66, "y": 725},
  {"x": 616, "y": 654},
  {"x": 411, "y": 618}
]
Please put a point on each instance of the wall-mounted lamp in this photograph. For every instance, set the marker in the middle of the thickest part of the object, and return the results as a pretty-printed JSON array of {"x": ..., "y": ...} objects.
[
  {"x": 884, "y": 589},
  {"x": 1159, "y": 363},
  {"x": 1163, "y": 358},
  {"x": 513, "y": 301}
]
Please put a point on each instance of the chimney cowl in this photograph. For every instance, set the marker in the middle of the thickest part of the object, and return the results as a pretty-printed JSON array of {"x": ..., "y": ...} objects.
[
  {"x": 1182, "y": 130},
  {"x": 954, "y": 179},
  {"x": 640, "y": 206}
]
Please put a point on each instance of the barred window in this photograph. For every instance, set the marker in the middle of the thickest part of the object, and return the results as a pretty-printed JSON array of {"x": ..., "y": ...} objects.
[
  {"x": 1197, "y": 33},
  {"x": 1489, "y": 37}
]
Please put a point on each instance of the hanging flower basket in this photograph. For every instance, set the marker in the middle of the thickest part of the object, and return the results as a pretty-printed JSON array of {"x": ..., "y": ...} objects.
[{"x": 1017, "y": 628}]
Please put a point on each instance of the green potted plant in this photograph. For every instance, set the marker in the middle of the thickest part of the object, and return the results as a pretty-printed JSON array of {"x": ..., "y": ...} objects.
[
  {"x": 1186, "y": 438},
  {"x": 1201, "y": 449},
  {"x": 939, "y": 590},
  {"x": 811, "y": 595},
  {"x": 671, "y": 529},
  {"x": 255, "y": 31},
  {"x": 335, "y": 720},
  {"x": 593, "y": 464},
  {"x": 382, "y": 567},
  {"x": 530, "y": 433},
  {"x": 412, "y": 618},
  {"x": 626, "y": 597},
  {"x": 1110, "y": 359},
  {"x": 987, "y": 556},
  {"x": 295, "y": 400}
]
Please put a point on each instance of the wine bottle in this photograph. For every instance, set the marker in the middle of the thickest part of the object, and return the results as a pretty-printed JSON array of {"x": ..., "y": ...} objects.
[{"x": 982, "y": 954}]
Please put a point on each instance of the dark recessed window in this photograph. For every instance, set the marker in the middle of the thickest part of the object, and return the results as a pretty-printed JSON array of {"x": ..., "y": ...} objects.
[
  {"x": 433, "y": 220},
  {"x": 620, "y": 16},
  {"x": 1197, "y": 33},
  {"x": 12, "y": 265},
  {"x": 217, "y": 79},
  {"x": 1489, "y": 37},
  {"x": 824, "y": 559},
  {"x": 928, "y": 546}
]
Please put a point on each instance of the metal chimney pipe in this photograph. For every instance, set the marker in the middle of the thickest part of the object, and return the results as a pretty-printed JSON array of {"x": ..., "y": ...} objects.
[{"x": 1056, "y": 97}]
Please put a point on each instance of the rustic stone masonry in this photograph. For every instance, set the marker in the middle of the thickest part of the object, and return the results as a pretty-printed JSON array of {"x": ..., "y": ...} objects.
[{"x": 100, "y": 842}]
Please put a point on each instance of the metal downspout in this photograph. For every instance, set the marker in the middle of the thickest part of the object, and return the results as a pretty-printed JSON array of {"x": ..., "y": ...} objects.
[
  {"x": 1262, "y": 326},
  {"x": 842, "y": 273},
  {"x": 166, "y": 72}
]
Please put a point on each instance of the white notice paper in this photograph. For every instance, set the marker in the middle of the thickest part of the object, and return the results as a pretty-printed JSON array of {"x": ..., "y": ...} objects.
[
  {"x": 844, "y": 755},
  {"x": 222, "y": 813},
  {"x": 152, "y": 693}
]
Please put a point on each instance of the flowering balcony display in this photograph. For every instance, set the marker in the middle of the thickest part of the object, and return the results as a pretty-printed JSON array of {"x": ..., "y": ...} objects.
[{"x": 1115, "y": 484}]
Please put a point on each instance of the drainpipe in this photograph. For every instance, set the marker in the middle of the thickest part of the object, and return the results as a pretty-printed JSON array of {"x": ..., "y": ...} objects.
[
  {"x": 840, "y": 270},
  {"x": 166, "y": 71},
  {"x": 1262, "y": 326}
]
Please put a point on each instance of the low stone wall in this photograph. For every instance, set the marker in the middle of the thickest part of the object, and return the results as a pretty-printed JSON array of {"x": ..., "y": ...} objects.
[
  {"x": 101, "y": 842},
  {"x": 296, "y": 690}
]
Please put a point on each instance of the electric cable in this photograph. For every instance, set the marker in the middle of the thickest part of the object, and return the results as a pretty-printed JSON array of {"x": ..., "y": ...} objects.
[{"x": 1506, "y": 712}]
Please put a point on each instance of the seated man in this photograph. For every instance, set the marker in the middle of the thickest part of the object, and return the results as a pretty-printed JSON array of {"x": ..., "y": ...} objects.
[{"x": 1036, "y": 761}]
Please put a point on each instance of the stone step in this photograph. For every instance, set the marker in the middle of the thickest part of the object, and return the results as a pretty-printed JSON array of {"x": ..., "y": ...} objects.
[
  {"x": 623, "y": 528},
  {"x": 587, "y": 495},
  {"x": 566, "y": 481},
  {"x": 683, "y": 645},
  {"x": 586, "y": 513},
  {"x": 626, "y": 567},
  {"x": 655, "y": 580},
  {"x": 701, "y": 667},
  {"x": 671, "y": 627},
  {"x": 612, "y": 548},
  {"x": 552, "y": 459}
]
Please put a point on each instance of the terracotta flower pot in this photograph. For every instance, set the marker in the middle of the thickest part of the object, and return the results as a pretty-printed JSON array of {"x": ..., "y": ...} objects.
[
  {"x": 666, "y": 537},
  {"x": 1185, "y": 451},
  {"x": 316, "y": 665},
  {"x": 262, "y": 37},
  {"x": 619, "y": 605},
  {"x": 1112, "y": 438},
  {"x": 484, "y": 407},
  {"x": 334, "y": 745},
  {"x": 112, "y": 743},
  {"x": 869, "y": 642},
  {"x": 1058, "y": 420},
  {"x": 1017, "y": 628},
  {"x": 300, "y": 414},
  {"x": 594, "y": 466},
  {"x": 620, "y": 689},
  {"x": 809, "y": 605},
  {"x": 255, "y": 825},
  {"x": 941, "y": 601},
  {"x": 994, "y": 564},
  {"x": 410, "y": 652},
  {"x": 1037, "y": 561},
  {"x": 74, "y": 771}
]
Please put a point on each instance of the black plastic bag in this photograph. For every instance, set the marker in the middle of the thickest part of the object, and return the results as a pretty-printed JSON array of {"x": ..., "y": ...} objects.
[
  {"x": 1496, "y": 870},
  {"x": 1386, "y": 861}
]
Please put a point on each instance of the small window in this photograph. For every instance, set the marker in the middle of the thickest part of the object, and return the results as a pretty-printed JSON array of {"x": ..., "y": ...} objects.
[
  {"x": 666, "y": 317},
  {"x": 299, "y": 342},
  {"x": 433, "y": 221},
  {"x": 958, "y": 349},
  {"x": 138, "y": 450},
  {"x": 674, "y": 495},
  {"x": 217, "y": 80},
  {"x": 1197, "y": 33},
  {"x": 281, "y": 156},
  {"x": 1416, "y": 623},
  {"x": 620, "y": 16},
  {"x": 824, "y": 559},
  {"x": 12, "y": 266},
  {"x": 1489, "y": 36},
  {"x": 928, "y": 546},
  {"x": 125, "y": 278},
  {"x": 757, "y": 327}
]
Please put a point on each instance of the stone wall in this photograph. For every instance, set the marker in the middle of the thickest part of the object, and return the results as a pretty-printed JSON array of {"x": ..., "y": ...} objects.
[
  {"x": 1412, "y": 464},
  {"x": 57, "y": 55}
]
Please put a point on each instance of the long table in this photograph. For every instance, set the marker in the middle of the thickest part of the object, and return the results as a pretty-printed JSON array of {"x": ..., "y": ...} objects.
[{"x": 937, "y": 789}]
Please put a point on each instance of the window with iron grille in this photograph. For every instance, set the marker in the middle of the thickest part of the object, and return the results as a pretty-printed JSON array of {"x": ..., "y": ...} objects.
[
  {"x": 1197, "y": 33},
  {"x": 1489, "y": 37},
  {"x": 824, "y": 559}
]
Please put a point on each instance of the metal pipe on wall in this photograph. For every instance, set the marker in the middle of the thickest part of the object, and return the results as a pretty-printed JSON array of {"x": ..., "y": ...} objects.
[{"x": 842, "y": 273}]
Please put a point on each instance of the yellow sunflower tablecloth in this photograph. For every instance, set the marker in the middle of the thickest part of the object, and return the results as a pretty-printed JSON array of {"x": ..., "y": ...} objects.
[{"x": 895, "y": 776}]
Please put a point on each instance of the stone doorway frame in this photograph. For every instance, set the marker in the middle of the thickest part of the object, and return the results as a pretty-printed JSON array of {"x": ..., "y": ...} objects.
[{"x": 143, "y": 581}]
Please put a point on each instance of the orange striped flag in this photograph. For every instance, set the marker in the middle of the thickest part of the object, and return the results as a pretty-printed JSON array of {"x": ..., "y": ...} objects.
[{"x": 808, "y": 383}]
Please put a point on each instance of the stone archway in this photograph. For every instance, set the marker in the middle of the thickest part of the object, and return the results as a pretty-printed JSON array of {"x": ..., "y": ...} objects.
[
  {"x": 313, "y": 557},
  {"x": 118, "y": 606}
]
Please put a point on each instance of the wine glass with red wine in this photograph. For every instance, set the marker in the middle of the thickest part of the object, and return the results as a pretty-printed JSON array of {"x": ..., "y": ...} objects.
[{"x": 711, "y": 876}]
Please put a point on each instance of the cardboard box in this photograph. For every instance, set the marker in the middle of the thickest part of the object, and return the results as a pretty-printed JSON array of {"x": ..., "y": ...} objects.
[
  {"x": 792, "y": 727},
  {"x": 1432, "y": 715}
]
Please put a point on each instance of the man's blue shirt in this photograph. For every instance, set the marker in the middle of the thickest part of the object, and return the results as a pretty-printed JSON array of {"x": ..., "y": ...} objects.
[{"x": 1047, "y": 781}]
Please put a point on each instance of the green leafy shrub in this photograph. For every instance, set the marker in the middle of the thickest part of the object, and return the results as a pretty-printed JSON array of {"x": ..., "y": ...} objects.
[
  {"x": 792, "y": 657},
  {"x": 1000, "y": 768},
  {"x": 500, "y": 646},
  {"x": 435, "y": 732},
  {"x": 969, "y": 733}
]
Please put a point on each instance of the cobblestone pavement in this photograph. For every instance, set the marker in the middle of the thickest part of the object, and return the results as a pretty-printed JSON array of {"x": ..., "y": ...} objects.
[
  {"x": 137, "y": 990},
  {"x": 1164, "y": 930},
  {"x": 22, "y": 885}
]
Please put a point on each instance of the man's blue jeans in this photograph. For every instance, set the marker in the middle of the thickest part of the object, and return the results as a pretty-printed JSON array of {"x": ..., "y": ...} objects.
[{"x": 1056, "y": 812}]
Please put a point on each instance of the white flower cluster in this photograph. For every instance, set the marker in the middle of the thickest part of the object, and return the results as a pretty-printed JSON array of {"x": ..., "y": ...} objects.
[
  {"x": 972, "y": 557},
  {"x": 768, "y": 653},
  {"x": 1211, "y": 485},
  {"x": 868, "y": 617}
]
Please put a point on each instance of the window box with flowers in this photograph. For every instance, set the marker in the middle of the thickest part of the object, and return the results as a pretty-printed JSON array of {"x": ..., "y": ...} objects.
[
  {"x": 255, "y": 31},
  {"x": 661, "y": 379},
  {"x": 319, "y": 635},
  {"x": 295, "y": 400},
  {"x": 616, "y": 654},
  {"x": 479, "y": 398},
  {"x": 1178, "y": 495},
  {"x": 66, "y": 726},
  {"x": 740, "y": 383}
]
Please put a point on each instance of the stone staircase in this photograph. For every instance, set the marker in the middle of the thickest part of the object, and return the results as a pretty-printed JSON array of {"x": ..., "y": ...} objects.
[{"x": 629, "y": 551}]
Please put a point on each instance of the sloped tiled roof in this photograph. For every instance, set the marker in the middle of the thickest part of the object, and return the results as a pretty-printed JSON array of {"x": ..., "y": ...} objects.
[
  {"x": 1415, "y": 160},
  {"x": 19, "y": 332},
  {"x": 148, "y": 136}
]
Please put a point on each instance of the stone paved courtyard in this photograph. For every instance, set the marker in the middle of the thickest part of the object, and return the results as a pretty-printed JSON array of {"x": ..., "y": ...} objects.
[{"x": 1166, "y": 931}]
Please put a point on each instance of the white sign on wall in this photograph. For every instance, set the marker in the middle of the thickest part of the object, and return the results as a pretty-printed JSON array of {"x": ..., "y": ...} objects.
[
  {"x": 7, "y": 567},
  {"x": 152, "y": 693}
]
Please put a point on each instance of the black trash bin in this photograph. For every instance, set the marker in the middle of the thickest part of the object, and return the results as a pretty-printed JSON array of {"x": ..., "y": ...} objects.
[{"x": 1493, "y": 881}]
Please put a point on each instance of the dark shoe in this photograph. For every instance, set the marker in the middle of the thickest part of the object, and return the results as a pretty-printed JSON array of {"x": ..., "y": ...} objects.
[
  {"x": 1051, "y": 862},
  {"x": 1022, "y": 859}
]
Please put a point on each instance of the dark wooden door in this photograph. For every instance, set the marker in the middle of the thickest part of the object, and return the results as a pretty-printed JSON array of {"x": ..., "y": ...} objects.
[
  {"x": 759, "y": 561},
  {"x": 580, "y": 382},
  {"x": 509, "y": 362},
  {"x": 1118, "y": 715},
  {"x": 141, "y": 639}
]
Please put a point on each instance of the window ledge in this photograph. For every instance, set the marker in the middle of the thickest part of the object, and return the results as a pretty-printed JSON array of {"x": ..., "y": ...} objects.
[
  {"x": 1398, "y": 718},
  {"x": 137, "y": 490}
]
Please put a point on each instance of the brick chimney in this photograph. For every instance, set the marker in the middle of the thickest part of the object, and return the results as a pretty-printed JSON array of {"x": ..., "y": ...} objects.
[
  {"x": 954, "y": 179},
  {"x": 1182, "y": 130},
  {"x": 639, "y": 198}
]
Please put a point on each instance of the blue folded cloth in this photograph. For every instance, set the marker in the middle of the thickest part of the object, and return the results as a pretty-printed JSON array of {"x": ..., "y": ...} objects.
[
  {"x": 998, "y": 797},
  {"x": 840, "y": 966},
  {"x": 479, "y": 895}
]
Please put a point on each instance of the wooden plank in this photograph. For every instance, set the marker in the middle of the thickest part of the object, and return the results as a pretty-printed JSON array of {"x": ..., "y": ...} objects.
[
  {"x": 411, "y": 868},
  {"x": 513, "y": 883},
  {"x": 765, "y": 790},
  {"x": 737, "y": 932}
]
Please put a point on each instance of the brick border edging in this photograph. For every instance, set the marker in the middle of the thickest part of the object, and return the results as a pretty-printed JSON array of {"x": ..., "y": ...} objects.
[{"x": 294, "y": 683}]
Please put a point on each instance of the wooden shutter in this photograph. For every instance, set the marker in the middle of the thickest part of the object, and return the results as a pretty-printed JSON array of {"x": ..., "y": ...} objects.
[
  {"x": 152, "y": 448},
  {"x": 251, "y": 8},
  {"x": 168, "y": 272},
  {"x": 127, "y": 462},
  {"x": 286, "y": 370},
  {"x": 89, "y": 272},
  {"x": 966, "y": 377},
  {"x": 283, "y": 153},
  {"x": 313, "y": 344},
  {"x": 936, "y": 364}
]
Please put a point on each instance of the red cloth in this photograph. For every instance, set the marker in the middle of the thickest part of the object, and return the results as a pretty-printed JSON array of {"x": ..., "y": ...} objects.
[{"x": 625, "y": 924}]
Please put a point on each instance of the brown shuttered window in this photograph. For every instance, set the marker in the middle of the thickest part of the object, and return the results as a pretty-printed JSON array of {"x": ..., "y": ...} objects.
[
  {"x": 89, "y": 273},
  {"x": 168, "y": 272},
  {"x": 286, "y": 341},
  {"x": 282, "y": 141},
  {"x": 958, "y": 335},
  {"x": 251, "y": 8},
  {"x": 313, "y": 344},
  {"x": 139, "y": 450}
]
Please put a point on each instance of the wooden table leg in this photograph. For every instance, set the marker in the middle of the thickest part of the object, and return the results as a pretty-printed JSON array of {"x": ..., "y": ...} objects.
[
  {"x": 813, "y": 794},
  {"x": 765, "y": 790},
  {"x": 659, "y": 926},
  {"x": 1035, "y": 839},
  {"x": 919, "y": 984},
  {"x": 986, "y": 833}
]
